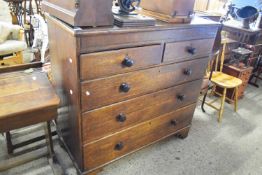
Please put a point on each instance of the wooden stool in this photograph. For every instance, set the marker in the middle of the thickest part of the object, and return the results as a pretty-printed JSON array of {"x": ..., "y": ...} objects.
[{"x": 26, "y": 99}]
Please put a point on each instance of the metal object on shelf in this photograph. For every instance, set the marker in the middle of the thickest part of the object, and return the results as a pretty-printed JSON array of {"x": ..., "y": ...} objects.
[
  {"x": 128, "y": 6},
  {"x": 125, "y": 14},
  {"x": 246, "y": 15},
  {"x": 240, "y": 55}
]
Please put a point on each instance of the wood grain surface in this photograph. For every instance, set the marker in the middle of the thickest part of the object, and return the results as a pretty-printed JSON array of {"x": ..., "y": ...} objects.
[
  {"x": 178, "y": 51},
  {"x": 108, "y": 63},
  {"x": 96, "y": 93},
  {"x": 103, "y": 121},
  {"x": 105, "y": 150},
  {"x": 26, "y": 99}
]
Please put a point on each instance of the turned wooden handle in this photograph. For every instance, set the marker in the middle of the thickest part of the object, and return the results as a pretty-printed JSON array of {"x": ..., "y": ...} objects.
[
  {"x": 173, "y": 122},
  {"x": 188, "y": 72},
  {"x": 191, "y": 50},
  {"x": 121, "y": 118},
  {"x": 124, "y": 87},
  {"x": 119, "y": 146},
  {"x": 181, "y": 97},
  {"x": 127, "y": 62}
]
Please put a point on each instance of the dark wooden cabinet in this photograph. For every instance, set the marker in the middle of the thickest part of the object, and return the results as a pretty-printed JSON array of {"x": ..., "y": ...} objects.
[
  {"x": 170, "y": 7},
  {"x": 125, "y": 88},
  {"x": 81, "y": 12}
]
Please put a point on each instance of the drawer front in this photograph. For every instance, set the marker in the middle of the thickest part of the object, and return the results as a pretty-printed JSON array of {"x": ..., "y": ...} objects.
[
  {"x": 119, "y": 61},
  {"x": 186, "y": 50},
  {"x": 110, "y": 119},
  {"x": 118, "y": 88},
  {"x": 114, "y": 146},
  {"x": 101, "y": 40}
]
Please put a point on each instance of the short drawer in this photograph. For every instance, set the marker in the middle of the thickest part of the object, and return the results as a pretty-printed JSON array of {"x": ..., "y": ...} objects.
[
  {"x": 186, "y": 50},
  {"x": 102, "y": 64},
  {"x": 114, "y": 146},
  {"x": 110, "y": 119},
  {"x": 102, "y": 92}
]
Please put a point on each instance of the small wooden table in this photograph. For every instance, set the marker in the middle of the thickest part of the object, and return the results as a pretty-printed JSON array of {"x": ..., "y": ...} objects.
[{"x": 26, "y": 99}]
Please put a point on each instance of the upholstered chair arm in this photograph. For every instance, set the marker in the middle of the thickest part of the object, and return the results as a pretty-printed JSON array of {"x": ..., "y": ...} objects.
[
  {"x": 21, "y": 35},
  {"x": 17, "y": 33}
]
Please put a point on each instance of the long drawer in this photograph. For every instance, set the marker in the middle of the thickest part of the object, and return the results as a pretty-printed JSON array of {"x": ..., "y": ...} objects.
[
  {"x": 102, "y": 64},
  {"x": 101, "y": 40},
  {"x": 187, "y": 50},
  {"x": 118, "y": 88},
  {"x": 114, "y": 146},
  {"x": 110, "y": 119}
]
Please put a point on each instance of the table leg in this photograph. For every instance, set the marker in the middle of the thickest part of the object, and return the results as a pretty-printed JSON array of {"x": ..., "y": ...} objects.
[
  {"x": 49, "y": 140},
  {"x": 236, "y": 99},
  {"x": 53, "y": 162},
  {"x": 221, "y": 110},
  {"x": 10, "y": 148}
]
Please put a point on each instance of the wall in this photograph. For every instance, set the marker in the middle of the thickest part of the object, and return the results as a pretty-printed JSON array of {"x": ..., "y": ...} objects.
[
  {"x": 209, "y": 5},
  {"x": 216, "y": 5}
]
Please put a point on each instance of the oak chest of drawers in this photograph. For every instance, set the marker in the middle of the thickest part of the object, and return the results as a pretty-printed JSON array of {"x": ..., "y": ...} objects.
[{"x": 125, "y": 88}]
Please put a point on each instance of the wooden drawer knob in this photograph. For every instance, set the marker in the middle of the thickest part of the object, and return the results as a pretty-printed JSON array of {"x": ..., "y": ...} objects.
[
  {"x": 173, "y": 122},
  {"x": 119, "y": 146},
  {"x": 121, "y": 118},
  {"x": 181, "y": 97},
  {"x": 124, "y": 87},
  {"x": 191, "y": 50},
  {"x": 127, "y": 62},
  {"x": 188, "y": 72}
]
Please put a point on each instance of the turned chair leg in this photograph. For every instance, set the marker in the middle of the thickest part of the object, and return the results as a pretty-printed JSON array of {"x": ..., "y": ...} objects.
[
  {"x": 236, "y": 99},
  {"x": 9, "y": 144},
  {"x": 221, "y": 111}
]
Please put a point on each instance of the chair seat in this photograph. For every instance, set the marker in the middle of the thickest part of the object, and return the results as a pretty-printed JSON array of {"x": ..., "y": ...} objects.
[
  {"x": 12, "y": 46},
  {"x": 224, "y": 80}
]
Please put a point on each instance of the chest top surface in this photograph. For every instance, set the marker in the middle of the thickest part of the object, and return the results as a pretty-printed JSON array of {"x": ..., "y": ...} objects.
[{"x": 83, "y": 31}]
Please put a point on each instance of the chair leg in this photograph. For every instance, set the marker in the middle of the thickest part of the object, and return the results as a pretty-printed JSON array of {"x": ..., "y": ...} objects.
[
  {"x": 212, "y": 93},
  {"x": 236, "y": 98},
  {"x": 49, "y": 140},
  {"x": 221, "y": 111},
  {"x": 9, "y": 144},
  {"x": 203, "y": 102}
]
